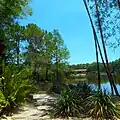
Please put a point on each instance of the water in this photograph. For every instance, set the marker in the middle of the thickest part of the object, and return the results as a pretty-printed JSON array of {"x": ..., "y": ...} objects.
[
  {"x": 105, "y": 85},
  {"x": 91, "y": 78}
]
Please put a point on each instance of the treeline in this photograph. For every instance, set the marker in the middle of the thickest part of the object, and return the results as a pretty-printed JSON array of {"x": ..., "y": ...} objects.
[
  {"x": 114, "y": 65},
  {"x": 42, "y": 51}
]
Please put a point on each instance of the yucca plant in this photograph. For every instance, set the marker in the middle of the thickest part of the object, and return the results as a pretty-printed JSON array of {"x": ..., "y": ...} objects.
[
  {"x": 67, "y": 104},
  {"x": 14, "y": 87},
  {"x": 83, "y": 89},
  {"x": 100, "y": 106}
]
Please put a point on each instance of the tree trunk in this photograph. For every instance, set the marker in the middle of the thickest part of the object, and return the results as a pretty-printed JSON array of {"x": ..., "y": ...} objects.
[
  {"x": 57, "y": 72},
  {"x": 98, "y": 67},
  {"x": 104, "y": 49},
  {"x": 96, "y": 46},
  {"x": 46, "y": 74},
  {"x": 18, "y": 51},
  {"x": 118, "y": 1},
  {"x": 112, "y": 90},
  {"x": 96, "y": 39}
]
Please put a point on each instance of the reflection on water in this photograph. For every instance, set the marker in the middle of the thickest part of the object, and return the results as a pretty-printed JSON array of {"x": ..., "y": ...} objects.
[
  {"x": 106, "y": 86},
  {"x": 92, "y": 79}
]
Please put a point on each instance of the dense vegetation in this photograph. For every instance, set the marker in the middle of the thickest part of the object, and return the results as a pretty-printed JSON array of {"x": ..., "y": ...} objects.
[
  {"x": 115, "y": 65},
  {"x": 30, "y": 56},
  {"x": 84, "y": 101}
]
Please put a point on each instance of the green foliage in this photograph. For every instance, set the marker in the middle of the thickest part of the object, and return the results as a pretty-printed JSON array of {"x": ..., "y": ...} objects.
[
  {"x": 79, "y": 66},
  {"x": 109, "y": 18},
  {"x": 83, "y": 90},
  {"x": 100, "y": 106},
  {"x": 10, "y": 9},
  {"x": 70, "y": 103},
  {"x": 14, "y": 39},
  {"x": 92, "y": 68},
  {"x": 15, "y": 86},
  {"x": 67, "y": 105},
  {"x": 115, "y": 66},
  {"x": 83, "y": 99},
  {"x": 45, "y": 54}
]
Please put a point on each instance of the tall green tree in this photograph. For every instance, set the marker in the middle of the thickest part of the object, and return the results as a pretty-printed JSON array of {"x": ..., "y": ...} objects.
[
  {"x": 10, "y": 13},
  {"x": 48, "y": 50},
  {"x": 13, "y": 9},
  {"x": 45, "y": 52},
  {"x": 13, "y": 43},
  {"x": 34, "y": 57},
  {"x": 60, "y": 55}
]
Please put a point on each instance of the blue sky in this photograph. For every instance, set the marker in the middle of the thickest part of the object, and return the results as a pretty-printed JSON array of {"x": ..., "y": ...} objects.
[{"x": 70, "y": 18}]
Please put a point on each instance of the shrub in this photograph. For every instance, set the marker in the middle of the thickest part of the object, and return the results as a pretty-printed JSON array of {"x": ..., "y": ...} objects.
[
  {"x": 67, "y": 105},
  {"x": 15, "y": 87},
  {"x": 101, "y": 106},
  {"x": 83, "y": 90}
]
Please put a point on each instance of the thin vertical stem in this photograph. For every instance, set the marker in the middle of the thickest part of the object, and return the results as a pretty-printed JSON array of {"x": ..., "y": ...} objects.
[
  {"x": 98, "y": 67},
  {"x": 96, "y": 47},
  {"x": 112, "y": 90},
  {"x": 104, "y": 49},
  {"x": 96, "y": 39},
  {"x": 118, "y": 1},
  {"x": 18, "y": 51}
]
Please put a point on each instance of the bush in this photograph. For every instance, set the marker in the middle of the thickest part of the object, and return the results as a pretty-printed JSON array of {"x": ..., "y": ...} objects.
[
  {"x": 101, "y": 106},
  {"x": 15, "y": 87},
  {"x": 67, "y": 105},
  {"x": 83, "y": 90},
  {"x": 96, "y": 104}
]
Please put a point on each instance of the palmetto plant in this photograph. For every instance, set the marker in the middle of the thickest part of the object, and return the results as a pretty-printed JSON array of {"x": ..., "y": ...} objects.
[
  {"x": 100, "y": 106},
  {"x": 14, "y": 87},
  {"x": 67, "y": 105}
]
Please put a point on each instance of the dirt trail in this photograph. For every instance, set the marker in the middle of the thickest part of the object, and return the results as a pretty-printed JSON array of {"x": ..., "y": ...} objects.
[{"x": 38, "y": 110}]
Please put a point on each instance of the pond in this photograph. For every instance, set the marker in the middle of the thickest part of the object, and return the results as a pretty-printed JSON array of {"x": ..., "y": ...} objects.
[
  {"x": 106, "y": 86},
  {"x": 92, "y": 79}
]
